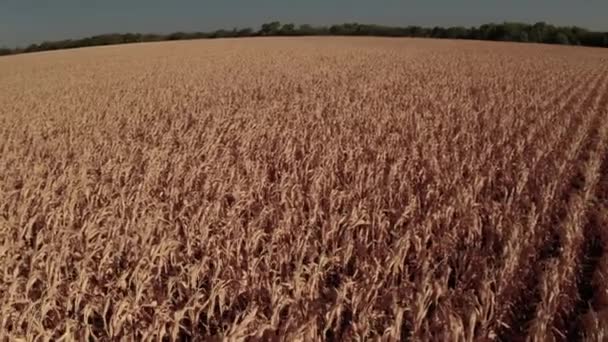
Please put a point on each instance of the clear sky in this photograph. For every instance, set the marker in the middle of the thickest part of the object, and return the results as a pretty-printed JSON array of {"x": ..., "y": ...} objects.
[{"x": 26, "y": 21}]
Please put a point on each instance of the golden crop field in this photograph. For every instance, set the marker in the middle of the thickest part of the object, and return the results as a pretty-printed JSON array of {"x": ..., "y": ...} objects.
[{"x": 305, "y": 189}]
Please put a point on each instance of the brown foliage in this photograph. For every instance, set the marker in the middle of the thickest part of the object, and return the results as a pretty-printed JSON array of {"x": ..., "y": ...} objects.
[{"x": 304, "y": 189}]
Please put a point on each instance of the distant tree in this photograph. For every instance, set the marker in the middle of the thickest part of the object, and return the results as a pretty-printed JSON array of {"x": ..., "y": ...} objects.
[
  {"x": 539, "y": 33},
  {"x": 288, "y": 30},
  {"x": 151, "y": 37},
  {"x": 456, "y": 33},
  {"x": 245, "y": 32},
  {"x": 578, "y": 34},
  {"x": 224, "y": 34},
  {"x": 417, "y": 31},
  {"x": 336, "y": 29},
  {"x": 562, "y": 38},
  {"x": 486, "y": 32},
  {"x": 270, "y": 29},
  {"x": 177, "y": 36},
  {"x": 5, "y": 51},
  {"x": 437, "y": 32},
  {"x": 131, "y": 38},
  {"x": 308, "y": 30},
  {"x": 305, "y": 30},
  {"x": 509, "y": 31},
  {"x": 31, "y": 48},
  {"x": 512, "y": 31},
  {"x": 347, "y": 29}
]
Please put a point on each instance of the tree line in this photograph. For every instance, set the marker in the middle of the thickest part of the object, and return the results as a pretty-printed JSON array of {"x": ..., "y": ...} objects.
[{"x": 514, "y": 32}]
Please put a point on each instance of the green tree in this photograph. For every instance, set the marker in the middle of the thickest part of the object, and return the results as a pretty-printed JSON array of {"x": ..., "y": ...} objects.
[
  {"x": 245, "y": 32},
  {"x": 562, "y": 38},
  {"x": 5, "y": 51},
  {"x": 539, "y": 32},
  {"x": 457, "y": 33},
  {"x": 306, "y": 30},
  {"x": 177, "y": 36},
  {"x": 288, "y": 29},
  {"x": 270, "y": 29}
]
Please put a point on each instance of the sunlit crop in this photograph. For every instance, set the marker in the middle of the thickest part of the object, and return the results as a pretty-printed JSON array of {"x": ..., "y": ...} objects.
[{"x": 305, "y": 189}]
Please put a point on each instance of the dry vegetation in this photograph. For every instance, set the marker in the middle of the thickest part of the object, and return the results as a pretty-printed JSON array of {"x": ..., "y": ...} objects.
[{"x": 304, "y": 189}]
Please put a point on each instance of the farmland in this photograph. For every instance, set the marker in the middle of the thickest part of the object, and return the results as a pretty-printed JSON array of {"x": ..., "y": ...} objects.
[{"x": 305, "y": 189}]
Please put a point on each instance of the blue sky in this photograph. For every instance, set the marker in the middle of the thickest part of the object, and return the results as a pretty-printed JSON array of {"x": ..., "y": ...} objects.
[{"x": 27, "y": 21}]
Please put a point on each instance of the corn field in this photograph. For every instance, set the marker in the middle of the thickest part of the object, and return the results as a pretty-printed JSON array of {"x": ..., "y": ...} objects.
[{"x": 305, "y": 189}]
